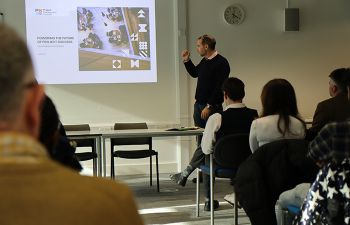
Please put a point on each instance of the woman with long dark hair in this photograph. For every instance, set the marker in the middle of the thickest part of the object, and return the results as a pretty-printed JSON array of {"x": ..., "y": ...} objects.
[{"x": 280, "y": 116}]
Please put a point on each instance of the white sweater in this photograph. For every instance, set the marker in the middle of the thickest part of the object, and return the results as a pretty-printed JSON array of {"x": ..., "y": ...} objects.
[{"x": 265, "y": 130}]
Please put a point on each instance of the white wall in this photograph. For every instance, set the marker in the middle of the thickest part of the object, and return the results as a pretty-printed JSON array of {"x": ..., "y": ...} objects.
[{"x": 258, "y": 49}]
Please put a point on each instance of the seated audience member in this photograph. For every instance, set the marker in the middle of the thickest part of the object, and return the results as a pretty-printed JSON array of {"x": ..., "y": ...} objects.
[
  {"x": 35, "y": 189},
  {"x": 280, "y": 117},
  {"x": 328, "y": 200},
  {"x": 236, "y": 118},
  {"x": 334, "y": 109},
  {"x": 53, "y": 137}
]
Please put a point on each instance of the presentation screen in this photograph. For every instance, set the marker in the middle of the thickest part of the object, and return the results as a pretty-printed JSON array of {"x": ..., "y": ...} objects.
[{"x": 92, "y": 41}]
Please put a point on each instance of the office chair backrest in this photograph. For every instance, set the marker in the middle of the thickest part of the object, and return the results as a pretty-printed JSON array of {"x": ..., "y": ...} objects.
[
  {"x": 230, "y": 151},
  {"x": 78, "y": 127},
  {"x": 81, "y": 142},
  {"x": 131, "y": 141}
]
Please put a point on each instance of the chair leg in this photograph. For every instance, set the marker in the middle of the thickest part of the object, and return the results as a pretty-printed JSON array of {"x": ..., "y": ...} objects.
[
  {"x": 94, "y": 167},
  {"x": 211, "y": 191},
  {"x": 112, "y": 167},
  {"x": 236, "y": 209},
  {"x": 197, "y": 194},
  {"x": 94, "y": 160},
  {"x": 150, "y": 170},
  {"x": 157, "y": 168}
]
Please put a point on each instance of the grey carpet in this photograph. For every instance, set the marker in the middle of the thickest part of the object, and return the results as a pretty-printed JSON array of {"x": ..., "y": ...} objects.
[{"x": 175, "y": 205}]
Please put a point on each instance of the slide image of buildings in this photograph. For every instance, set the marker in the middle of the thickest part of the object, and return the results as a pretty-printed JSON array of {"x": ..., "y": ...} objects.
[{"x": 113, "y": 38}]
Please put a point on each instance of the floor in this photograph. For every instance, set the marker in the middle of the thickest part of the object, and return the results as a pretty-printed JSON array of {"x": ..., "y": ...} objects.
[{"x": 175, "y": 205}]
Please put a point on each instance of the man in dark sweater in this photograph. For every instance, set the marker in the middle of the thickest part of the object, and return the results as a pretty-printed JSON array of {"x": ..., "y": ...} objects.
[
  {"x": 236, "y": 118},
  {"x": 211, "y": 72}
]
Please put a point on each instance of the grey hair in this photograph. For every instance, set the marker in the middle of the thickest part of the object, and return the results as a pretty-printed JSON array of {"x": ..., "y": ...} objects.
[{"x": 15, "y": 62}]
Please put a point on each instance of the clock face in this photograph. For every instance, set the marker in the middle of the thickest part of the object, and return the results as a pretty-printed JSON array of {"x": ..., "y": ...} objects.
[{"x": 234, "y": 14}]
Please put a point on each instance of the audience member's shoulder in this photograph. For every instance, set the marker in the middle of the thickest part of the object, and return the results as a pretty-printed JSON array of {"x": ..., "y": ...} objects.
[
  {"x": 253, "y": 111},
  {"x": 338, "y": 98},
  {"x": 325, "y": 102},
  {"x": 267, "y": 119},
  {"x": 338, "y": 126}
]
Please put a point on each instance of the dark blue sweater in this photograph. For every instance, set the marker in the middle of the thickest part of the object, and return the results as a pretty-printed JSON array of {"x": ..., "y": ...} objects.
[{"x": 211, "y": 74}]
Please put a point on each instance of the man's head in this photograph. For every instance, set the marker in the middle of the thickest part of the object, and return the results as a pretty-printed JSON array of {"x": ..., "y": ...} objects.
[
  {"x": 233, "y": 89},
  {"x": 337, "y": 81},
  {"x": 20, "y": 95},
  {"x": 205, "y": 45}
]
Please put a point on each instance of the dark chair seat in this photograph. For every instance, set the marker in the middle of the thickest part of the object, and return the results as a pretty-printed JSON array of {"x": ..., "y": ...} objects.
[
  {"x": 219, "y": 171},
  {"x": 84, "y": 156},
  {"x": 134, "y": 154}
]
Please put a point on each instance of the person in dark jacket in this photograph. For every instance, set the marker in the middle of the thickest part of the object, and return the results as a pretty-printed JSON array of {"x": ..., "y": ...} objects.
[
  {"x": 334, "y": 109},
  {"x": 53, "y": 137},
  {"x": 328, "y": 199},
  {"x": 274, "y": 168}
]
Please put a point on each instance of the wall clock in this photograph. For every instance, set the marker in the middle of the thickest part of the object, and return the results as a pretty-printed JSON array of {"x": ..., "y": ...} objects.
[{"x": 234, "y": 14}]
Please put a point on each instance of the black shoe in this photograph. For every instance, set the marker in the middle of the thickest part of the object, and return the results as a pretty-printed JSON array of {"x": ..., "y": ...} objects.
[
  {"x": 179, "y": 179},
  {"x": 207, "y": 205}
]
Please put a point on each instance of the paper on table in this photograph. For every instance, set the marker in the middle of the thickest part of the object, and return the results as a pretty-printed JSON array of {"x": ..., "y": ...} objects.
[{"x": 183, "y": 128}]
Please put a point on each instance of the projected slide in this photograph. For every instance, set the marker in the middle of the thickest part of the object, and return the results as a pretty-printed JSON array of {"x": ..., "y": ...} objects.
[{"x": 101, "y": 41}]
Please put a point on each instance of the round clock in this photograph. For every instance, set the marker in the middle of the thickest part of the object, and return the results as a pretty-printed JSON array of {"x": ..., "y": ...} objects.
[{"x": 234, "y": 14}]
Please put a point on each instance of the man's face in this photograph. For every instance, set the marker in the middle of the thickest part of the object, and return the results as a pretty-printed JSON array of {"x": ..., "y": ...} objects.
[{"x": 201, "y": 49}]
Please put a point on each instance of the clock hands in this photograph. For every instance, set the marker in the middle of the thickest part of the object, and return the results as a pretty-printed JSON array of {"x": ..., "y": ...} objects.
[{"x": 234, "y": 15}]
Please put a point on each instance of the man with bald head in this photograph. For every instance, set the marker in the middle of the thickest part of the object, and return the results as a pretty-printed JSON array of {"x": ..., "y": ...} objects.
[{"x": 33, "y": 188}]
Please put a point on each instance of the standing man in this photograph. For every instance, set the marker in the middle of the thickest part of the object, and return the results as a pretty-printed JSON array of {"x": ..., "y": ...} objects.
[{"x": 211, "y": 72}]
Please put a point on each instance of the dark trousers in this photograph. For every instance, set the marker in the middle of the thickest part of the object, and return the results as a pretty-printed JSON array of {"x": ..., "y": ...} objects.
[{"x": 198, "y": 159}]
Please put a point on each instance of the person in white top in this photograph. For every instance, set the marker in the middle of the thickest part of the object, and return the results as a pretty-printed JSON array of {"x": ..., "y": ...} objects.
[
  {"x": 279, "y": 120},
  {"x": 280, "y": 117},
  {"x": 236, "y": 118}
]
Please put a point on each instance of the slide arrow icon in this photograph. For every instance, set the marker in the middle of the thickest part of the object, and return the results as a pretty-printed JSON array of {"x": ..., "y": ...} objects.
[{"x": 141, "y": 14}]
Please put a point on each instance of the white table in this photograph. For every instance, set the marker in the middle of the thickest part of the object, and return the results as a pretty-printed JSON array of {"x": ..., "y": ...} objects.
[
  {"x": 101, "y": 136},
  {"x": 135, "y": 133}
]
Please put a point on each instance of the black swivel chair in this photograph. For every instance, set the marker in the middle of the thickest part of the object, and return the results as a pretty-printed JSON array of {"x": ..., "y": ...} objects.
[
  {"x": 133, "y": 154},
  {"x": 229, "y": 152},
  {"x": 84, "y": 142}
]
